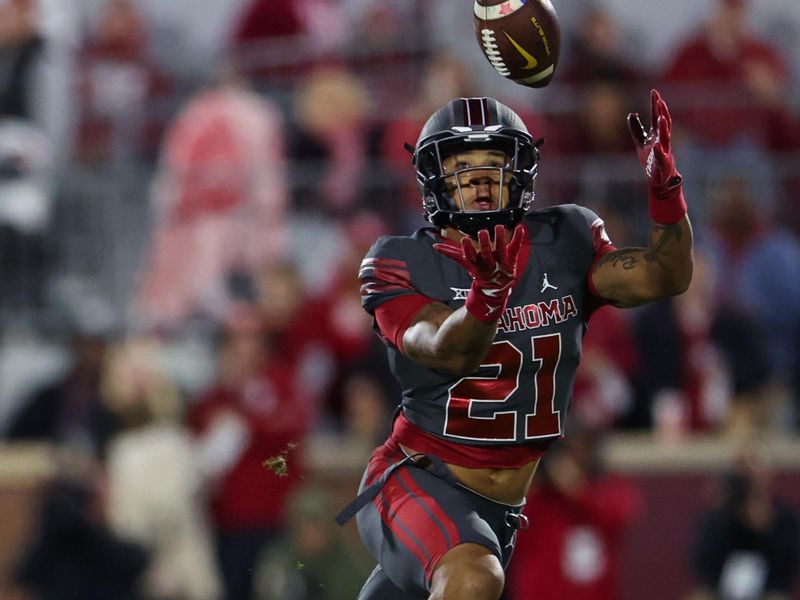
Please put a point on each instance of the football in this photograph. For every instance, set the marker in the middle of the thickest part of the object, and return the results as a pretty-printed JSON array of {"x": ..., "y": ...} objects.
[{"x": 520, "y": 38}]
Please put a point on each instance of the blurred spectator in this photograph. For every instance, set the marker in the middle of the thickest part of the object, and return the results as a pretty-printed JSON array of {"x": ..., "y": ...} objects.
[
  {"x": 314, "y": 560},
  {"x": 595, "y": 139},
  {"x": 283, "y": 39},
  {"x": 72, "y": 411},
  {"x": 747, "y": 547},
  {"x": 20, "y": 44},
  {"x": 730, "y": 87},
  {"x": 249, "y": 426},
  {"x": 26, "y": 202},
  {"x": 320, "y": 330},
  {"x": 598, "y": 126},
  {"x": 366, "y": 416},
  {"x": 348, "y": 329},
  {"x": 74, "y": 553},
  {"x": 602, "y": 395},
  {"x": 597, "y": 50},
  {"x": 296, "y": 328},
  {"x": 333, "y": 135},
  {"x": 385, "y": 42},
  {"x": 378, "y": 25},
  {"x": 704, "y": 363},
  {"x": 220, "y": 198},
  {"x": 268, "y": 26},
  {"x": 118, "y": 79},
  {"x": 38, "y": 39},
  {"x": 573, "y": 546},
  {"x": 268, "y": 19},
  {"x": 591, "y": 134},
  {"x": 445, "y": 77},
  {"x": 154, "y": 482},
  {"x": 758, "y": 263}
]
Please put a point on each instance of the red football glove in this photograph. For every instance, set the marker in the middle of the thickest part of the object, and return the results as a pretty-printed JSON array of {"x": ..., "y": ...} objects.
[
  {"x": 667, "y": 204},
  {"x": 493, "y": 271}
]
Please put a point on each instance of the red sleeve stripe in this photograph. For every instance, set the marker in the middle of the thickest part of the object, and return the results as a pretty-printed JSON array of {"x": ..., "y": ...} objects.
[
  {"x": 599, "y": 236},
  {"x": 380, "y": 265},
  {"x": 395, "y": 277},
  {"x": 396, "y": 315},
  {"x": 376, "y": 287},
  {"x": 601, "y": 252},
  {"x": 385, "y": 262},
  {"x": 371, "y": 271}
]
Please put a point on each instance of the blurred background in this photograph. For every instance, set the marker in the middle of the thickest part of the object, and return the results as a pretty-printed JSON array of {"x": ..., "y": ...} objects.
[{"x": 189, "y": 388}]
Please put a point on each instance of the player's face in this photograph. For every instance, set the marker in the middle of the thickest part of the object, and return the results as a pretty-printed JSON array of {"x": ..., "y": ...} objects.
[{"x": 478, "y": 179}]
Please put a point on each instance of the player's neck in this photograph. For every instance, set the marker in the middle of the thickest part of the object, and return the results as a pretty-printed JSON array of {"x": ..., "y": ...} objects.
[{"x": 452, "y": 234}]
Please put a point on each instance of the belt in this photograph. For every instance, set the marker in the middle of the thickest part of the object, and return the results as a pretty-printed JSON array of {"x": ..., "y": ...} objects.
[
  {"x": 422, "y": 461},
  {"x": 513, "y": 517}
]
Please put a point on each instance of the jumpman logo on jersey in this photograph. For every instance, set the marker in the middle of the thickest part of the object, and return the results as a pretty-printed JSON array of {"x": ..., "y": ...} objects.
[{"x": 546, "y": 284}]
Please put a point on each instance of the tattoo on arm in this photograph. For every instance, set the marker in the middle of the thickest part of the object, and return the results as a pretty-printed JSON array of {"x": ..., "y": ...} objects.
[
  {"x": 627, "y": 259},
  {"x": 665, "y": 234}
]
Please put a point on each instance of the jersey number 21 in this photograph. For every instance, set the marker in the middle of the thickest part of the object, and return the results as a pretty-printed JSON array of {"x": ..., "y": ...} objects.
[{"x": 541, "y": 420}]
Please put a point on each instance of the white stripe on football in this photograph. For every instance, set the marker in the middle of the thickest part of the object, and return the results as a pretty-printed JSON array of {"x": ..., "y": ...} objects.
[{"x": 498, "y": 11}]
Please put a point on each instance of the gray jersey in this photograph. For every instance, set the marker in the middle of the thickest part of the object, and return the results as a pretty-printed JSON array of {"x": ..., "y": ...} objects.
[{"x": 522, "y": 390}]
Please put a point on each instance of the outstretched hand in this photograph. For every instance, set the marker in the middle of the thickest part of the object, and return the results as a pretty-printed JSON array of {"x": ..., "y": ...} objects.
[
  {"x": 494, "y": 266},
  {"x": 654, "y": 145},
  {"x": 493, "y": 269}
]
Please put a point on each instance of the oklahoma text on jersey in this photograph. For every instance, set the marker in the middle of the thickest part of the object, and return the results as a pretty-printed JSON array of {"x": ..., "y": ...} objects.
[{"x": 537, "y": 314}]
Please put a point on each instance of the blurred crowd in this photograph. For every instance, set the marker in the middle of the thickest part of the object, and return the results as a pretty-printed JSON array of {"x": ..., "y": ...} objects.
[{"x": 271, "y": 167}]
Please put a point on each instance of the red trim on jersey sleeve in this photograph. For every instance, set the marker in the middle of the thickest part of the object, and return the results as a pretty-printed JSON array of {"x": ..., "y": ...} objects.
[
  {"x": 600, "y": 254},
  {"x": 602, "y": 245},
  {"x": 498, "y": 456},
  {"x": 395, "y": 316},
  {"x": 384, "y": 275}
]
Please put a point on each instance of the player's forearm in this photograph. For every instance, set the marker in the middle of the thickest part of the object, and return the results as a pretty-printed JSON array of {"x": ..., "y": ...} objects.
[
  {"x": 633, "y": 276},
  {"x": 669, "y": 258},
  {"x": 456, "y": 343}
]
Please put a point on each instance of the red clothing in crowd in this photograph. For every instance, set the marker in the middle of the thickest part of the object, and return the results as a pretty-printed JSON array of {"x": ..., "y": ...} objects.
[
  {"x": 573, "y": 546},
  {"x": 266, "y": 19},
  {"x": 727, "y": 109},
  {"x": 221, "y": 199},
  {"x": 250, "y": 495},
  {"x": 117, "y": 79},
  {"x": 601, "y": 393}
]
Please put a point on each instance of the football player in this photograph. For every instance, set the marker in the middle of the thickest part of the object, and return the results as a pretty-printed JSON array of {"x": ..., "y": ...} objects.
[{"x": 483, "y": 315}]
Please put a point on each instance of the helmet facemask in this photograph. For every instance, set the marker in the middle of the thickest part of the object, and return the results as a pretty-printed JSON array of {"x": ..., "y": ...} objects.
[{"x": 515, "y": 165}]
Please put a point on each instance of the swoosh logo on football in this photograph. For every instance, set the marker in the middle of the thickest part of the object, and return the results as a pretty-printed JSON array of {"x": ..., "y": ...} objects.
[{"x": 532, "y": 62}]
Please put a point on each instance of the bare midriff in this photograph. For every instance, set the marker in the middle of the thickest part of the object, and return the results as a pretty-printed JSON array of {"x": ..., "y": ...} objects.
[{"x": 508, "y": 486}]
